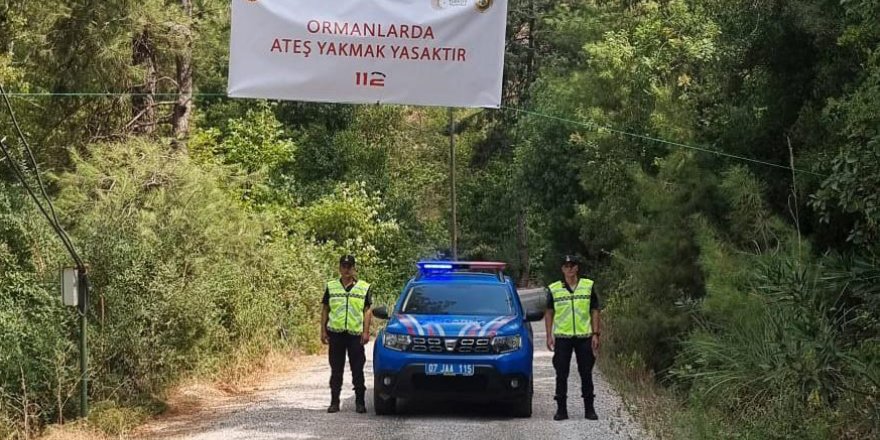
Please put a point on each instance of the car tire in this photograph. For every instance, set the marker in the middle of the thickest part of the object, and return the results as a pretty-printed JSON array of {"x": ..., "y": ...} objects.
[
  {"x": 382, "y": 406},
  {"x": 523, "y": 407}
]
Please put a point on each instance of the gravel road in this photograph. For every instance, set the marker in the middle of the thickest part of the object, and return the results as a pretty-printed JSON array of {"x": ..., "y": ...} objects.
[{"x": 295, "y": 408}]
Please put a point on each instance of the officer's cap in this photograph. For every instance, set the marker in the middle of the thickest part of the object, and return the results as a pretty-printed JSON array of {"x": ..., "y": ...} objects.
[
  {"x": 346, "y": 260},
  {"x": 571, "y": 259}
]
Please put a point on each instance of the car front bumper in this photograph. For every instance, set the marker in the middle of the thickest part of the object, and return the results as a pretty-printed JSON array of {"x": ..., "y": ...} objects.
[{"x": 487, "y": 384}]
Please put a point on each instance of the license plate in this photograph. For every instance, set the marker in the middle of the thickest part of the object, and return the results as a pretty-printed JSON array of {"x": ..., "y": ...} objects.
[{"x": 449, "y": 369}]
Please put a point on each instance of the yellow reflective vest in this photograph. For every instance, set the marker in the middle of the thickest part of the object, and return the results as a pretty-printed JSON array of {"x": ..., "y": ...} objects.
[
  {"x": 347, "y": 307},
  {"x": 572, "y": 309}
]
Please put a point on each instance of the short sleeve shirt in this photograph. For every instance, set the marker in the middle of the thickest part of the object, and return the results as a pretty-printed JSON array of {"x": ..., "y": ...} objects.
[
  {"x": 368, "y": 300},
  {"x": 595, "y": 302}
]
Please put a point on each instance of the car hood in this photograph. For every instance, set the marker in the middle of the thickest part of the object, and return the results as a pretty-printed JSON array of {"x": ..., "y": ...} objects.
[{"x": 453, "y": 325}]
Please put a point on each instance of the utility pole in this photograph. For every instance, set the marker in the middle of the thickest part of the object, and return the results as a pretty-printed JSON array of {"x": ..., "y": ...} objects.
[
  {"x": 83, "y": 287},
  {"x": 452, "y": 184},
  {"x": 75, "y": 293}
]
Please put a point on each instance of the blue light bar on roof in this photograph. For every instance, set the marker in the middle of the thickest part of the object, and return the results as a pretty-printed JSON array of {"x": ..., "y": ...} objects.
[
  {"x": 435, "y": 266},
  {"x": 427, "y": 266},
  {"x": 442, "y": 267}
]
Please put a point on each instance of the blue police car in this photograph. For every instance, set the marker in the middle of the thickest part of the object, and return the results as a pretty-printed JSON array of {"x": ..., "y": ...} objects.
[{"x": 458, "y": 333}]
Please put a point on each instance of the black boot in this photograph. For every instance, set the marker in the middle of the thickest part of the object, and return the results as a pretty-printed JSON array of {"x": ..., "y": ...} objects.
[
  {"x": 561, "y": 409},
  {"x": 334, "y": 403},
  {"x": 359, "y": 405},
  {"x": 590, "y": 409}
]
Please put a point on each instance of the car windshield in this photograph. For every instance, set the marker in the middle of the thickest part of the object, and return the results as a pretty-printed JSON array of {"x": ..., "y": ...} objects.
[{"x": 458, "y": 299}]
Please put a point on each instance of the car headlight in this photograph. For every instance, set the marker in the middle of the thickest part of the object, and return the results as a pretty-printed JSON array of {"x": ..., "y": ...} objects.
[
  {"x": 506, "y": 344},
  {"x": 396, "y": 342}
]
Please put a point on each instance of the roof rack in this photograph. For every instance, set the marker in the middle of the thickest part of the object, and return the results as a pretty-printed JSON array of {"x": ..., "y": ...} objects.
[{"x": 444, "y": 266}]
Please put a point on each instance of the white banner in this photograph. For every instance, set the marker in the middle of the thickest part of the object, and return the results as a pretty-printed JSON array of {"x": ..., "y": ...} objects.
[{"x": 422, "y": 52}]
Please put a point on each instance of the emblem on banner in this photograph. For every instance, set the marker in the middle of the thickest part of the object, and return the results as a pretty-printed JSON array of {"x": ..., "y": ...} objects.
[
  {"x": 483, "y": 5},
  {"x": 443, "y": 4}
]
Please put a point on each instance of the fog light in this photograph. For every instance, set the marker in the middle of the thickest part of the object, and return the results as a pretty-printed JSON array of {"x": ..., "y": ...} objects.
[
  {"x": 386, "y": 381},
  {"x": 514, "y": 383}
]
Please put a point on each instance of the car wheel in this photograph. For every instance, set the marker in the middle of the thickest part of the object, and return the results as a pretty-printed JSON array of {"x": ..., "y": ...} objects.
[
  {"x": 523, "y": 407},
  {"x": 383, "y": 406}
]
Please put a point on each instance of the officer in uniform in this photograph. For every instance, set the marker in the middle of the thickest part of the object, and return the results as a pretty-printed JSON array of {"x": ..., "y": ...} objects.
[
  {"x": 572, "y": 321},
  {"x": 345, "y": 326}
]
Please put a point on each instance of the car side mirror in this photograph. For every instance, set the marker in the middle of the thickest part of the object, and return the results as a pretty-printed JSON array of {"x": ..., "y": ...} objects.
[
  {"x": 381, "y": 312},
  {"x": 534, "y": 315}
]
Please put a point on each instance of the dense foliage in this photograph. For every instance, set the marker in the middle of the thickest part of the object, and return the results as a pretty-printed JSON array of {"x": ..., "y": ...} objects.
[
  {"x": 209, "y": 224},
  {"x": 747, "y": 288}
]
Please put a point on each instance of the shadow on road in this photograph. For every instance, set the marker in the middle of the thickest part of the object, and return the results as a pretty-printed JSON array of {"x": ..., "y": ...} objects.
[{"x": 453, "y": 410}]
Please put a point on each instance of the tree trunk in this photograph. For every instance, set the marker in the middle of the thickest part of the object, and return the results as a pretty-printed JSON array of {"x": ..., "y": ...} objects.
[
  {"x": 184, "y": 62},
  {"x": 522, "y": 247},
  {"x": 143, "y": 100},
  {"x": 530, "y": 57}
]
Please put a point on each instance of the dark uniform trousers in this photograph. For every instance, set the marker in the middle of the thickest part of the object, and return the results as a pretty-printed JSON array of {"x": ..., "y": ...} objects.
[
  {"x": 340, "y": 343},
  {"x": 583, "y": 350}
]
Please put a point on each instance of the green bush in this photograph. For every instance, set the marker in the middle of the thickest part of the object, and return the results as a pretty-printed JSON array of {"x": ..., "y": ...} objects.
[
  {"x": 353, "y": 220},
  {"x": 35, "y": 329},
  {"x": 778, "y": 371},
  {"x": 774, "y": 353},
  {"x": 185, "y": 277},
  {"x": 781, "y": 344},
  {"x": 183, "y": 272},
  {"x": 109, "y": 417}
]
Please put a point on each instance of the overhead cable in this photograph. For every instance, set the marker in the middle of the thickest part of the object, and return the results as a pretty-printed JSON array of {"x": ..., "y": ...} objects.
[{"x": 590, "y": 125}]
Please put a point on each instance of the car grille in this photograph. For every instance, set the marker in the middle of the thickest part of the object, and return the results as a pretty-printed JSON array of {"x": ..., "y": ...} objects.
[{"x": 451, "y": 345}]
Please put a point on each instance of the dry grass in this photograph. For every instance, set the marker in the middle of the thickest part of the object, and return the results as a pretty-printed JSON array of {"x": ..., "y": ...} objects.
[
  {"x": 74, "y": 431},
  {"x": 189, "y": 400},
  {"x": 199, "y": 398},
  {"x": 652, "y": 405},
  {"x": 246, "y": 372}
]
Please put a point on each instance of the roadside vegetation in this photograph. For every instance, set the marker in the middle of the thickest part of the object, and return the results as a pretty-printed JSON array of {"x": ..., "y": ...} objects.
[{"x": 742, "y": 297}]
